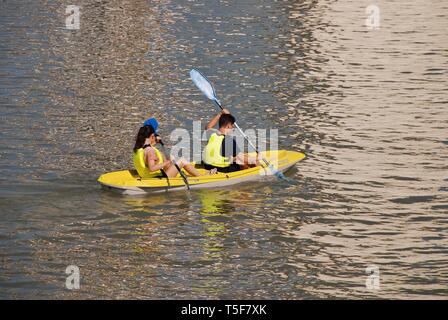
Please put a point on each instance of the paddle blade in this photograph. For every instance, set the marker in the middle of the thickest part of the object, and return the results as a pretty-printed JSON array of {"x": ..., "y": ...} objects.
[
  {"x": 203, "y": 84},
  {"x": 270, "y": 170}
]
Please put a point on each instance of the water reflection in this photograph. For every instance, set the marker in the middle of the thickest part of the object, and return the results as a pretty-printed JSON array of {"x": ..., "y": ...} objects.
[
  {"x": 368, "y": 109},
  {"x": 100, "y": 82}
]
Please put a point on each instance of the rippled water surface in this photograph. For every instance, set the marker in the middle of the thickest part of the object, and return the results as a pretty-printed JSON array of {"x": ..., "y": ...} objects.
[{"x": 367, "y": 107}]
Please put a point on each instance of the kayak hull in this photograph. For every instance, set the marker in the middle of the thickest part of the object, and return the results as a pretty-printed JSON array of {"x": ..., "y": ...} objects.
[{"x": 128, "y": 181}]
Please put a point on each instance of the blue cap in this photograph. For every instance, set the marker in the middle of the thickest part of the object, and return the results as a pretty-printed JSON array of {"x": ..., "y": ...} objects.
[{"x": 152, "y": 122}]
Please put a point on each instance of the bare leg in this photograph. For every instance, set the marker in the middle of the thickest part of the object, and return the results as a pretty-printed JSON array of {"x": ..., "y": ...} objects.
[
  {"x": 245, "y": 161},
  {"x": 191, "y": 169},
  {"x": 172, "y": 171}
]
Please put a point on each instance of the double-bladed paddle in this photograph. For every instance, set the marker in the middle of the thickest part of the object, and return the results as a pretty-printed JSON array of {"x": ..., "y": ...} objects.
[{"x": 207, "y": 89}]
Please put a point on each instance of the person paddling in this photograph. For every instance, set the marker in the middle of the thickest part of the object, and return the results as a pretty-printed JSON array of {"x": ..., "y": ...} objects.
[
  {"x": 222, "y": 151},
  {"x": 150, "y": 162}
]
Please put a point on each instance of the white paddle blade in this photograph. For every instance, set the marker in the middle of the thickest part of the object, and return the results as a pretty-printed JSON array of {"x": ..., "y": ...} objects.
[{"x": 203, "y": 84}]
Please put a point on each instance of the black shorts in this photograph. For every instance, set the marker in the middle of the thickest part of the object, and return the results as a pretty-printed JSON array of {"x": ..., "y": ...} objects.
[
  {"x": 232, "y": 168},
  {"x": 163, "y": 175}
]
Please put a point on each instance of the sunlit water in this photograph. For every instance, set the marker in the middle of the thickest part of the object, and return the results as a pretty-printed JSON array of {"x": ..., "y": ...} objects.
[{"x": 367, "y": 107}]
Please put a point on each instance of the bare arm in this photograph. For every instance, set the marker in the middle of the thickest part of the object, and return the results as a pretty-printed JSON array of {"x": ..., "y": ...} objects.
[
  {"x": 215, "y": 119},
  {"x": 151, "y": 162}
]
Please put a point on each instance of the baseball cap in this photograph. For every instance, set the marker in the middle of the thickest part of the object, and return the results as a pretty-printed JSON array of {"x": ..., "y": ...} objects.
[{"x": 153, "y": 123}]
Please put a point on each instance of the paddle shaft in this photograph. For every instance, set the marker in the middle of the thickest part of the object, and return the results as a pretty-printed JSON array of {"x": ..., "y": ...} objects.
[
  {"x": 245, "y": 136},
  {"x": 207, "y": 89},
  {"x": 184, "y": 177}
]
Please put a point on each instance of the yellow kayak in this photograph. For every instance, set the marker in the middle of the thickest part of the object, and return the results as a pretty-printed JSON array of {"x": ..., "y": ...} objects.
[{"x": 128, "y": 181}]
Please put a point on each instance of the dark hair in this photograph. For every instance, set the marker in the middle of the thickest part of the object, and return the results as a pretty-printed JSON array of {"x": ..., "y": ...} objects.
[
  {"x": 225, "y": 119},
  {"x": 143, "y": 133}
]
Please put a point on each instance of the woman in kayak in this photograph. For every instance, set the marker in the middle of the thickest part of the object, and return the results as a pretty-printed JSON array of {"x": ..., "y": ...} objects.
[
  {"x": 221, "y": 151},
  {"x": 150, "y": 162}
]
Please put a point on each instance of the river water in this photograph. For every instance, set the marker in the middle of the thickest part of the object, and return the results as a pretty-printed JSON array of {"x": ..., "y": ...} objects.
[{"x": 367, "y": 106}]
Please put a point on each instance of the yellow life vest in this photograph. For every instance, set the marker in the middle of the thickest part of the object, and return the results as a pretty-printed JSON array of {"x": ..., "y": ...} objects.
[
  {"x": 140, "y": 165},
  {"x": 212, "y": 152}
]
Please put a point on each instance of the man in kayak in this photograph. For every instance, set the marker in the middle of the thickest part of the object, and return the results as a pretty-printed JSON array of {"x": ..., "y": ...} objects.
[{"x": 222, "y": 151}]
